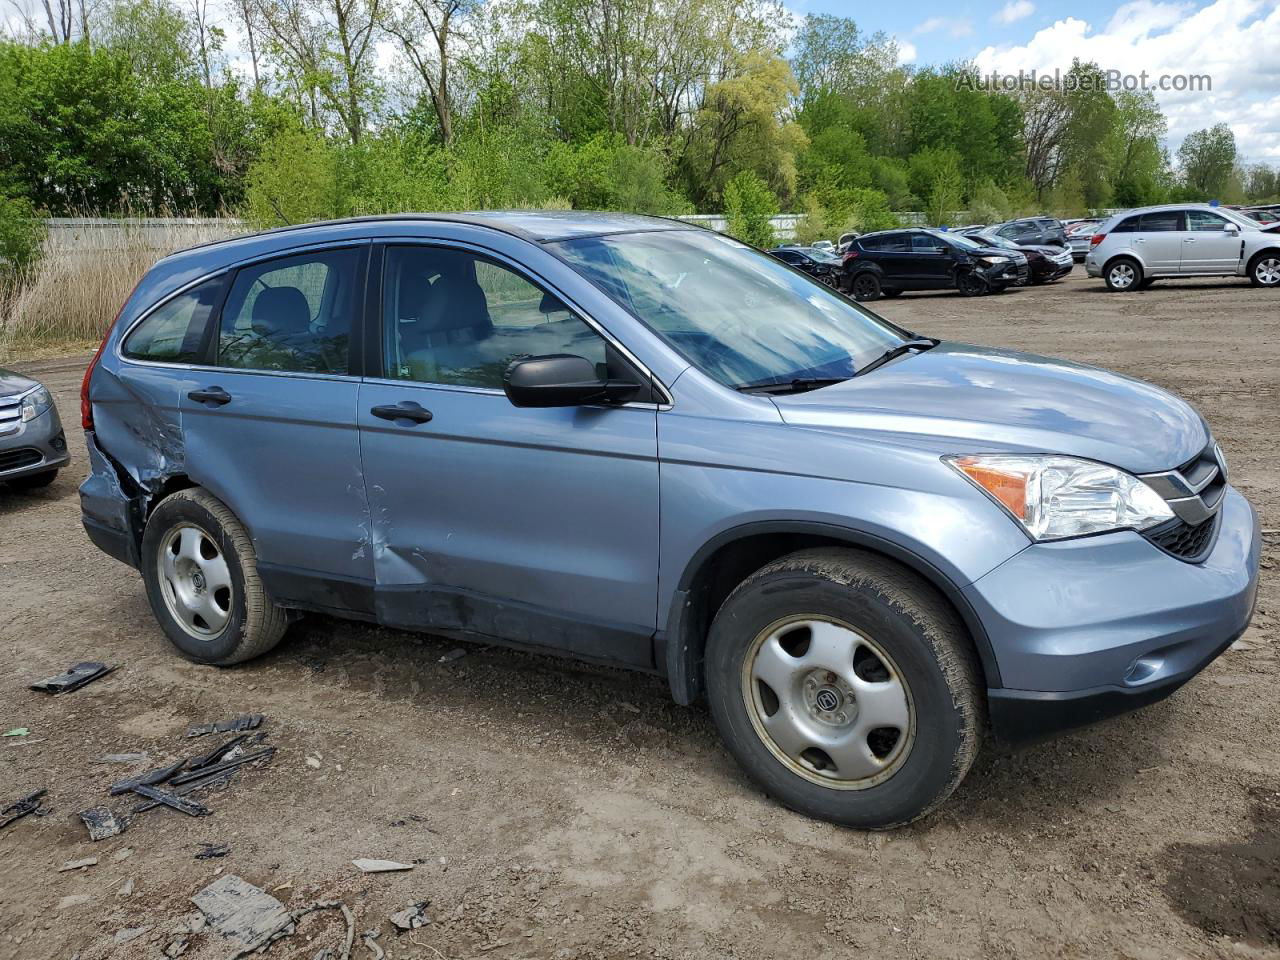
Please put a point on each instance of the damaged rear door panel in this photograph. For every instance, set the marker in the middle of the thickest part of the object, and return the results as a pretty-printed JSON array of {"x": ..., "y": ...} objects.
[{"x": 270, "y": 428}]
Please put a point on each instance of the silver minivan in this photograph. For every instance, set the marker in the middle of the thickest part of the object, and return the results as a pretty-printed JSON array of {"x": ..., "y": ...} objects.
[{"x": 1132, "y": 250}]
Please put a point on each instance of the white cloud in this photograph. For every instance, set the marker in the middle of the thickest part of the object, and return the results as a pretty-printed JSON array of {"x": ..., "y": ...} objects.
[
  {"x": 1235, "y": 42},
  {"x": 954, "y": 26},
  {"x": 907, "y": 52},
  {"x": 1015, "y": 10}
]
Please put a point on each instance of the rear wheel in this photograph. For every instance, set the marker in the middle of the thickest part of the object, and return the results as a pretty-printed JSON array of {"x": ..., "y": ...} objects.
[
  {"x": 33, "y": 481},
  {"x": 201, "y": 575},
  {"x": 1123, "y": 275},
  {"x": 846, "y": 687},
  {"x": 865, "y": 286},
  {"x": 1264, "y": 269}
]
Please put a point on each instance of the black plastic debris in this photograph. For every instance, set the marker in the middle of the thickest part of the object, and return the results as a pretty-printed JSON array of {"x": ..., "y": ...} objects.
[
  {"x": 216, "y": 754},
  {"x": 411, "y": 917},
  {"x": 75, "y": 678},
  {"x": 148, "y": 779},
  {"x": 217, "y": 768},
  {"x": 20, "y": 808},
  {"x": 212, "y": 851},
  {"x": 102, "y": 823},
  {"x": 192, "y": 808},
  {"x": 245, "y": 721}
]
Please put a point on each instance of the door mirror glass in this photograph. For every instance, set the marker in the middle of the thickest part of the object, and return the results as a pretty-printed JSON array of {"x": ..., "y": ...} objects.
[{"x": 562, "y": 380}]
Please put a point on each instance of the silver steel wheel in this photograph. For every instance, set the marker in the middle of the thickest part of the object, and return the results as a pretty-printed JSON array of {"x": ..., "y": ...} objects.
[
  {"x": 1268, "y": 271},
  {"x": 1122, "y": 276},
  {"x": 828, "y": 702},
  {"x": 195, "y": 581}
]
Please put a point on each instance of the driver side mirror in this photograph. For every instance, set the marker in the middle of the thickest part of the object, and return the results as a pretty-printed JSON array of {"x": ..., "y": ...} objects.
[
  {"x": 562, "y": 380},
  {"x": 1231, "y": 229}
]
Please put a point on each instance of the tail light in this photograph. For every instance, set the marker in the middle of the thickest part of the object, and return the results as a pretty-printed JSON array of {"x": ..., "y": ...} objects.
[
  {"x": 86, "y": 407},
  {"x": 849, "y": 255},
  {"x": 1096, "y": 239}
]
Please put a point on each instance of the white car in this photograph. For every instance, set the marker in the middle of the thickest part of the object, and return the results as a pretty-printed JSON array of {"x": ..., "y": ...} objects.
[
  {"x": 825, "y": 245},
  {"x": 1132, "y": 250}
]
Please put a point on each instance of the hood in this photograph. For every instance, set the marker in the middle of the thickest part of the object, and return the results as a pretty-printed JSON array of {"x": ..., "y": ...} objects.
[
  {"x": 14, "y": 383},
  {"x": 980, "y": 400}
]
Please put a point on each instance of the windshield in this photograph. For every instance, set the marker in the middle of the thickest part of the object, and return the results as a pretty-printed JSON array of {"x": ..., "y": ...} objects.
[
  {"x": 736, "y": 314},
  {"x": 955, "y": 239},
  {"x": 992, "y": 240}
]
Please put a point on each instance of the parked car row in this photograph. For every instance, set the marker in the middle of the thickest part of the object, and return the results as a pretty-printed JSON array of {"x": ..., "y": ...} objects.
[{"x": 1129, "y": 251}]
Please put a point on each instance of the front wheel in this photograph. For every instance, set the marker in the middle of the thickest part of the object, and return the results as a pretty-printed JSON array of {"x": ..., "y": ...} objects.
[
  {"x": 1264, "y": 271},
  {"x": 971, "y": 285},
  {"x": 201, "y": 575},
  {"x": 846, "y": 687}
]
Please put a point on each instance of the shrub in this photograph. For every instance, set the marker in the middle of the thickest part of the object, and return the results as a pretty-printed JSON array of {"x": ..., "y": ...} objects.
[{"x": 748, "y": 206}]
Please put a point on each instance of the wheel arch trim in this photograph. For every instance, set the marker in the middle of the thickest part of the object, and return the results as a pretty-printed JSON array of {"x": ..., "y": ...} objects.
[{"x": 680, "y": 649}]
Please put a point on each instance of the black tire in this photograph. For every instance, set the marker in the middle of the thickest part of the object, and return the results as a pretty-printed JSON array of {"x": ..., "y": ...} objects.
[
  {"x": 33, "y": 481},
  {"x": 1123, "y": 275},
  {"x": 930, "y": 650},
  {"x": 971, "y": 285},
  {"x": 1264, "y": 269},
  {"x": 865, "y": 286},
  {"x": 890, "y": 293},
  {"x": 253, "y": 623}
]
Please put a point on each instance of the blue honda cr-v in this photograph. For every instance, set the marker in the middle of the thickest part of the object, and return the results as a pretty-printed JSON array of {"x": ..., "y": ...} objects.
[{"x": 642, "y": 443}]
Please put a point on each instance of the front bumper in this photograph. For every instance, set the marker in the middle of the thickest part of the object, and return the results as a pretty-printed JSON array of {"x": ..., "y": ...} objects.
[
  {"x": 1049, "y": 270},
  {"x": 1089, "y": 628},
  {"x": 36, "y": 446},
  {"x": 1004, "y": 274}
]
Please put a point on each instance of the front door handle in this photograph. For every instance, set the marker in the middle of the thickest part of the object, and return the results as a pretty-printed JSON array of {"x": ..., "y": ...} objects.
[
  {"x": 1188, "y": 239},
  {"x": 210, "y": 396},
  {"x": 404, "y": 410}
]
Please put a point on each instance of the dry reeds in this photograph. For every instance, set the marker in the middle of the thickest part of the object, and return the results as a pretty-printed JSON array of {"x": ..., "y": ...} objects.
[{"x": 86, "y": 270}]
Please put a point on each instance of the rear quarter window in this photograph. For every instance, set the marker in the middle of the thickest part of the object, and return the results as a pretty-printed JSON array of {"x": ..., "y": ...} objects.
[{"x": 175, "y": 331}]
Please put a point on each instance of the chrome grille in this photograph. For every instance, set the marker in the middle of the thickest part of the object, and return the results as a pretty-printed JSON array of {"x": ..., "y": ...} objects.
[
  {"x": 1194, "y": 492},
  {"x": 10, "y": 414}
]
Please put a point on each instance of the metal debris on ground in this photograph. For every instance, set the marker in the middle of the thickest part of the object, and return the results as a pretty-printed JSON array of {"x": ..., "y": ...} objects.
[
  {"x": 457, "y": 653},
  {"x": 102, "y": 823},
  {"x": 78, "y": 864},
  {"x": 20, "y": 808},
  {"x": 75, "y": 678},
  {"x": 211, "y": 851},
  {"x": 149, "y": 779},
  {"x": 365, "y": 865},
  {"x": 16, "y": 732},
  {"x": 213, "y": 770},
  {"x": 241, "y": 912},
  {"x": 411, "y": 917},
  {"x": 192, "y": 808},
  {"x": 123, "y": 758},
  {"x": 245, "y": 721},
  {"x": 371, "y": 941},
  {"x": 216, "y": 754}
]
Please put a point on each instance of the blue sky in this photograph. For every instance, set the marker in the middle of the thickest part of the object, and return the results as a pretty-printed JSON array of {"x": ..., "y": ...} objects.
[{"x": 1234, "y": 42}]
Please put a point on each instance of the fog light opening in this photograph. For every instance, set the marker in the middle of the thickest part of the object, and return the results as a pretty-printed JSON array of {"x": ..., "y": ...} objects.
[{"x": 1142, "y": 670}]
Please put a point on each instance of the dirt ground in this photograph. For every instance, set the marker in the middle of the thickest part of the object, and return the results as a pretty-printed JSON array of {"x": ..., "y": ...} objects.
[{"x": 557, "y": 810}]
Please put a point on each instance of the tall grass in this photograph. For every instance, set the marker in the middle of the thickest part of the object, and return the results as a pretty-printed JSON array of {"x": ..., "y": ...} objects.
[{"x": 70, "y": 295}]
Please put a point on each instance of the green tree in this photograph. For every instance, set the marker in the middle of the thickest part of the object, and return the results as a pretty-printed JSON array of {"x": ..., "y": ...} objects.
[
  {"x": 748, "y": 206},
  {"x": 1207, "y": 158}
]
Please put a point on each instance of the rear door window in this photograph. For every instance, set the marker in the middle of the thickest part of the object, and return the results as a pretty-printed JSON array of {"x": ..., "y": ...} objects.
[
  {"x": 1163, "y": 222},
  {"x": 175, "y": 331},
  {"x": 292, "y": 314}
]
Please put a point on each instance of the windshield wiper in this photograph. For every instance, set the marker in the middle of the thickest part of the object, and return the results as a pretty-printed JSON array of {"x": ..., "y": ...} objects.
[
  {"x": 799, "y": 385},
  {"x": 921, "y": 343}
]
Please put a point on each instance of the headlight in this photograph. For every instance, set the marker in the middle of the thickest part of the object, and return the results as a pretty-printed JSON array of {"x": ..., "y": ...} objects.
[
  {"x": 35, "y": 403},
  {"x": 994, "y": 260},
  {"x": 1057, "y": 497}
]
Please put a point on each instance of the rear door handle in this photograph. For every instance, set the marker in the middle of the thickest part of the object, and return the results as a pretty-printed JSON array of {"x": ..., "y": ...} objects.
[
  {"x": 404, "y": 410},
  {"x": 210, "y": 396},
  {"x": 1188, "y": 239}
]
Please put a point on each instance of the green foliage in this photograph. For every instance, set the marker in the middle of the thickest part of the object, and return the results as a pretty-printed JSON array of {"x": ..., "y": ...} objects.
[
  {"x": 295, "y": 180},
  {"x": 1207, "y": 158},
  {"x": 748, "y": 205},
  {"x": 990, "y": 204},
  {"x": 21, "y": 234}
]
